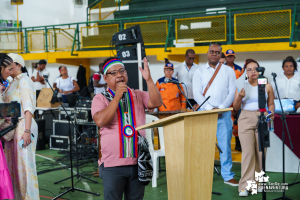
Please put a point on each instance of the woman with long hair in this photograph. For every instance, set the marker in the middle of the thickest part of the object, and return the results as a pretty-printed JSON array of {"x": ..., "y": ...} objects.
[
  {"x": 6, "y": 188},
  {"x": 21, "y": 160},
  {"x": 247, "y": 100}
]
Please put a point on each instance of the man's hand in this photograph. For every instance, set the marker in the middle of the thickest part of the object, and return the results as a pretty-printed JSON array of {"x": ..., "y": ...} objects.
[
  {"x": 219, "y": 115},
  {"x": 196, "y": 107},
  {"x": 121, "y": 88},
  {"x": 234, "y": 113},
  {"x": 242, "y": 93},
  {"x": 146, "y": 72}
]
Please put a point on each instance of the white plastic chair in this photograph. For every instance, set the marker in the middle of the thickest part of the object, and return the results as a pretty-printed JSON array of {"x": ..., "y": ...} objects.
[{"x": 155, "y": 154}]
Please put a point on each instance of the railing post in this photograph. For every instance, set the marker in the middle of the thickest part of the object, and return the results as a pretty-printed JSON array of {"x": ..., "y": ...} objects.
[
  {"x": 87, "y": 14},
  {"x": 121, "y": 25},
  {"x": 293, "y": 27},
  {"x": 54, "y": 38},
  {"x": 46, "y": 39},
  {"x": 229, "y": 24},
  {"x": 167, "y": 40},
  {"x": 74, "y": 40},
  {"x": 26, "y": 41},
  {"x": 78, "y": 37}
]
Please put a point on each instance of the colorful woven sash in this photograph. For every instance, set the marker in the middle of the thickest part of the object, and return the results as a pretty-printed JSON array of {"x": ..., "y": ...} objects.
[{"x": 127, "y": 124}]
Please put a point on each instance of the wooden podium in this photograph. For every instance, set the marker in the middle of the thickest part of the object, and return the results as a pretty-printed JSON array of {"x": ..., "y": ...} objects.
[{"x": 190, "y": 149}]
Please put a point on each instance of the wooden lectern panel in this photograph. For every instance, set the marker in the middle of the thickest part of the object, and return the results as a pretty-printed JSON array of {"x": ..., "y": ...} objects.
[{"x": 190, "y": 149}]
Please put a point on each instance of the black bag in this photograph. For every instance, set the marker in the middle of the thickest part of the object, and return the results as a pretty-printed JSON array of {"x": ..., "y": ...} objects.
[
  {"x": 91, "y": 84},
  {"x": 145, "y": 167}
]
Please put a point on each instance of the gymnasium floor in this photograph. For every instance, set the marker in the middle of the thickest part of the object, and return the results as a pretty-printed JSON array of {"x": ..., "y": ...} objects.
[{"x": 48, "y": 190}]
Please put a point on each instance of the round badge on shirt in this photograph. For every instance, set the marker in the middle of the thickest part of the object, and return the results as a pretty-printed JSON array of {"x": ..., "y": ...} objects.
[{"x": 128, "y": 131}]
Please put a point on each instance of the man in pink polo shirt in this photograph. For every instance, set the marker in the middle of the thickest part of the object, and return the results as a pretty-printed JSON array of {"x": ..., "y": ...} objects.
[{"x": 118, "y": 165}]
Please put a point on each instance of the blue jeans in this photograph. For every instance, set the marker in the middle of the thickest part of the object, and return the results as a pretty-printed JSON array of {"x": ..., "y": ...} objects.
[{"x": 224, "y": 134}]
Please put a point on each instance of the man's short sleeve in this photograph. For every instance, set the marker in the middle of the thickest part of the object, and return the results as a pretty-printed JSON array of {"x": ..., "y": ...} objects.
[
  {"x": 99, "y": 103},
  {"x": 96, "y": 77},
  {"x": 146, "y": 97}
]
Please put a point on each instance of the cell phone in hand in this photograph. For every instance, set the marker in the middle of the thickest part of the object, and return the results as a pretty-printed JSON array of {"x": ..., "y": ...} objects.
[{"x": 21, "y": 143}]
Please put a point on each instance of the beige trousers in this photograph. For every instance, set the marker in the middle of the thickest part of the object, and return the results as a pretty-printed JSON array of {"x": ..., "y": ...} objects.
[{"x": 251, "y": 156}]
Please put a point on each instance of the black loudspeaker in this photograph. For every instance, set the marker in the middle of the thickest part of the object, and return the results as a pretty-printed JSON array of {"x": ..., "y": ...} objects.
[
  {"x": 133, "y": 76},
  {"x": 41, "y": 140},
  {"x": 130, "y": 52},
  {"x": 61, "y": 128},
  {"x": 130, "y": 35},
  {"x": 48, "y": 116},
  {"x": 59, "y": 142}
]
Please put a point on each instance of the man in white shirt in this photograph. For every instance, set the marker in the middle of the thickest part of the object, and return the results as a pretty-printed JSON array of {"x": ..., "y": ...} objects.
[
  {"x": 184, "y": 73},
  {"x": 221, "y": 92},
  {"x": 37, "y": 76}
]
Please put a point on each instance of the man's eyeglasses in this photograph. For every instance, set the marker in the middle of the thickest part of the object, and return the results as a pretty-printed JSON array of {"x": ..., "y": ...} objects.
[
  {"x": 215, "y": 52},
  {"x": 114, "y": 73}
]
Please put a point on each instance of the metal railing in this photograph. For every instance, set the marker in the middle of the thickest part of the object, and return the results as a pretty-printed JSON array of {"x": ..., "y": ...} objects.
[{"x": 231, "y": 26}]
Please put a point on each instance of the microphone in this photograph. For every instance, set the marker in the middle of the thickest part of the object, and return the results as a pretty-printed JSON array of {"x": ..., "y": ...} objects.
[
  {"x": 125, "y": 103},
  {"x": 45, "y": 76},
  {"x": 274, "y": 74},
  {"x": 167, "y": 80},
  {"x": 203, "y": 103},
  {"x": 6, "y": 130}
]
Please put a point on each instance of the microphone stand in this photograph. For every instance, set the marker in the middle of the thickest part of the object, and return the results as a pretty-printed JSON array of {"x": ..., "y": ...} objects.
[
  {"x": 14, "y": 122},
  {"x": 283, "y": 119},
  {"x": 184, "y": 95},
  {"x": 72, "y": 188}
]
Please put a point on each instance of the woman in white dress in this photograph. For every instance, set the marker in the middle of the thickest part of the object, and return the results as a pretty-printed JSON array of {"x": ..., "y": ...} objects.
[{"x": 21, "y": 161}]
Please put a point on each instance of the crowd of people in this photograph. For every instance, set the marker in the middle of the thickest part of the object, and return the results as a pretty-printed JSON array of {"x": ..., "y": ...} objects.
[{"x": 118, "y": 165}]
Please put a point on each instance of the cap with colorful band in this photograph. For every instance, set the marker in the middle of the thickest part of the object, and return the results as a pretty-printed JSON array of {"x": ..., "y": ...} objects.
[
  {"x": 229, "y": 52},
  {"x": 169, "y": 65},
  {"x": 111, "y": 63}
]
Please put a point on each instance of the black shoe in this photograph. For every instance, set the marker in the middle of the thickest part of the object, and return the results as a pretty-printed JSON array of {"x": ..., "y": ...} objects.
[{"x": 237, "y": 144}]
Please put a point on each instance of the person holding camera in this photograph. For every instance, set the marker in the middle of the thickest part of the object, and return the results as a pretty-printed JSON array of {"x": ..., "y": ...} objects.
[
  {"x": 21, "y": 159},
  {"x": 288, "y": 82},
  {"x": 247, "y": 100},
  {"x": 6, "y": 188}
]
